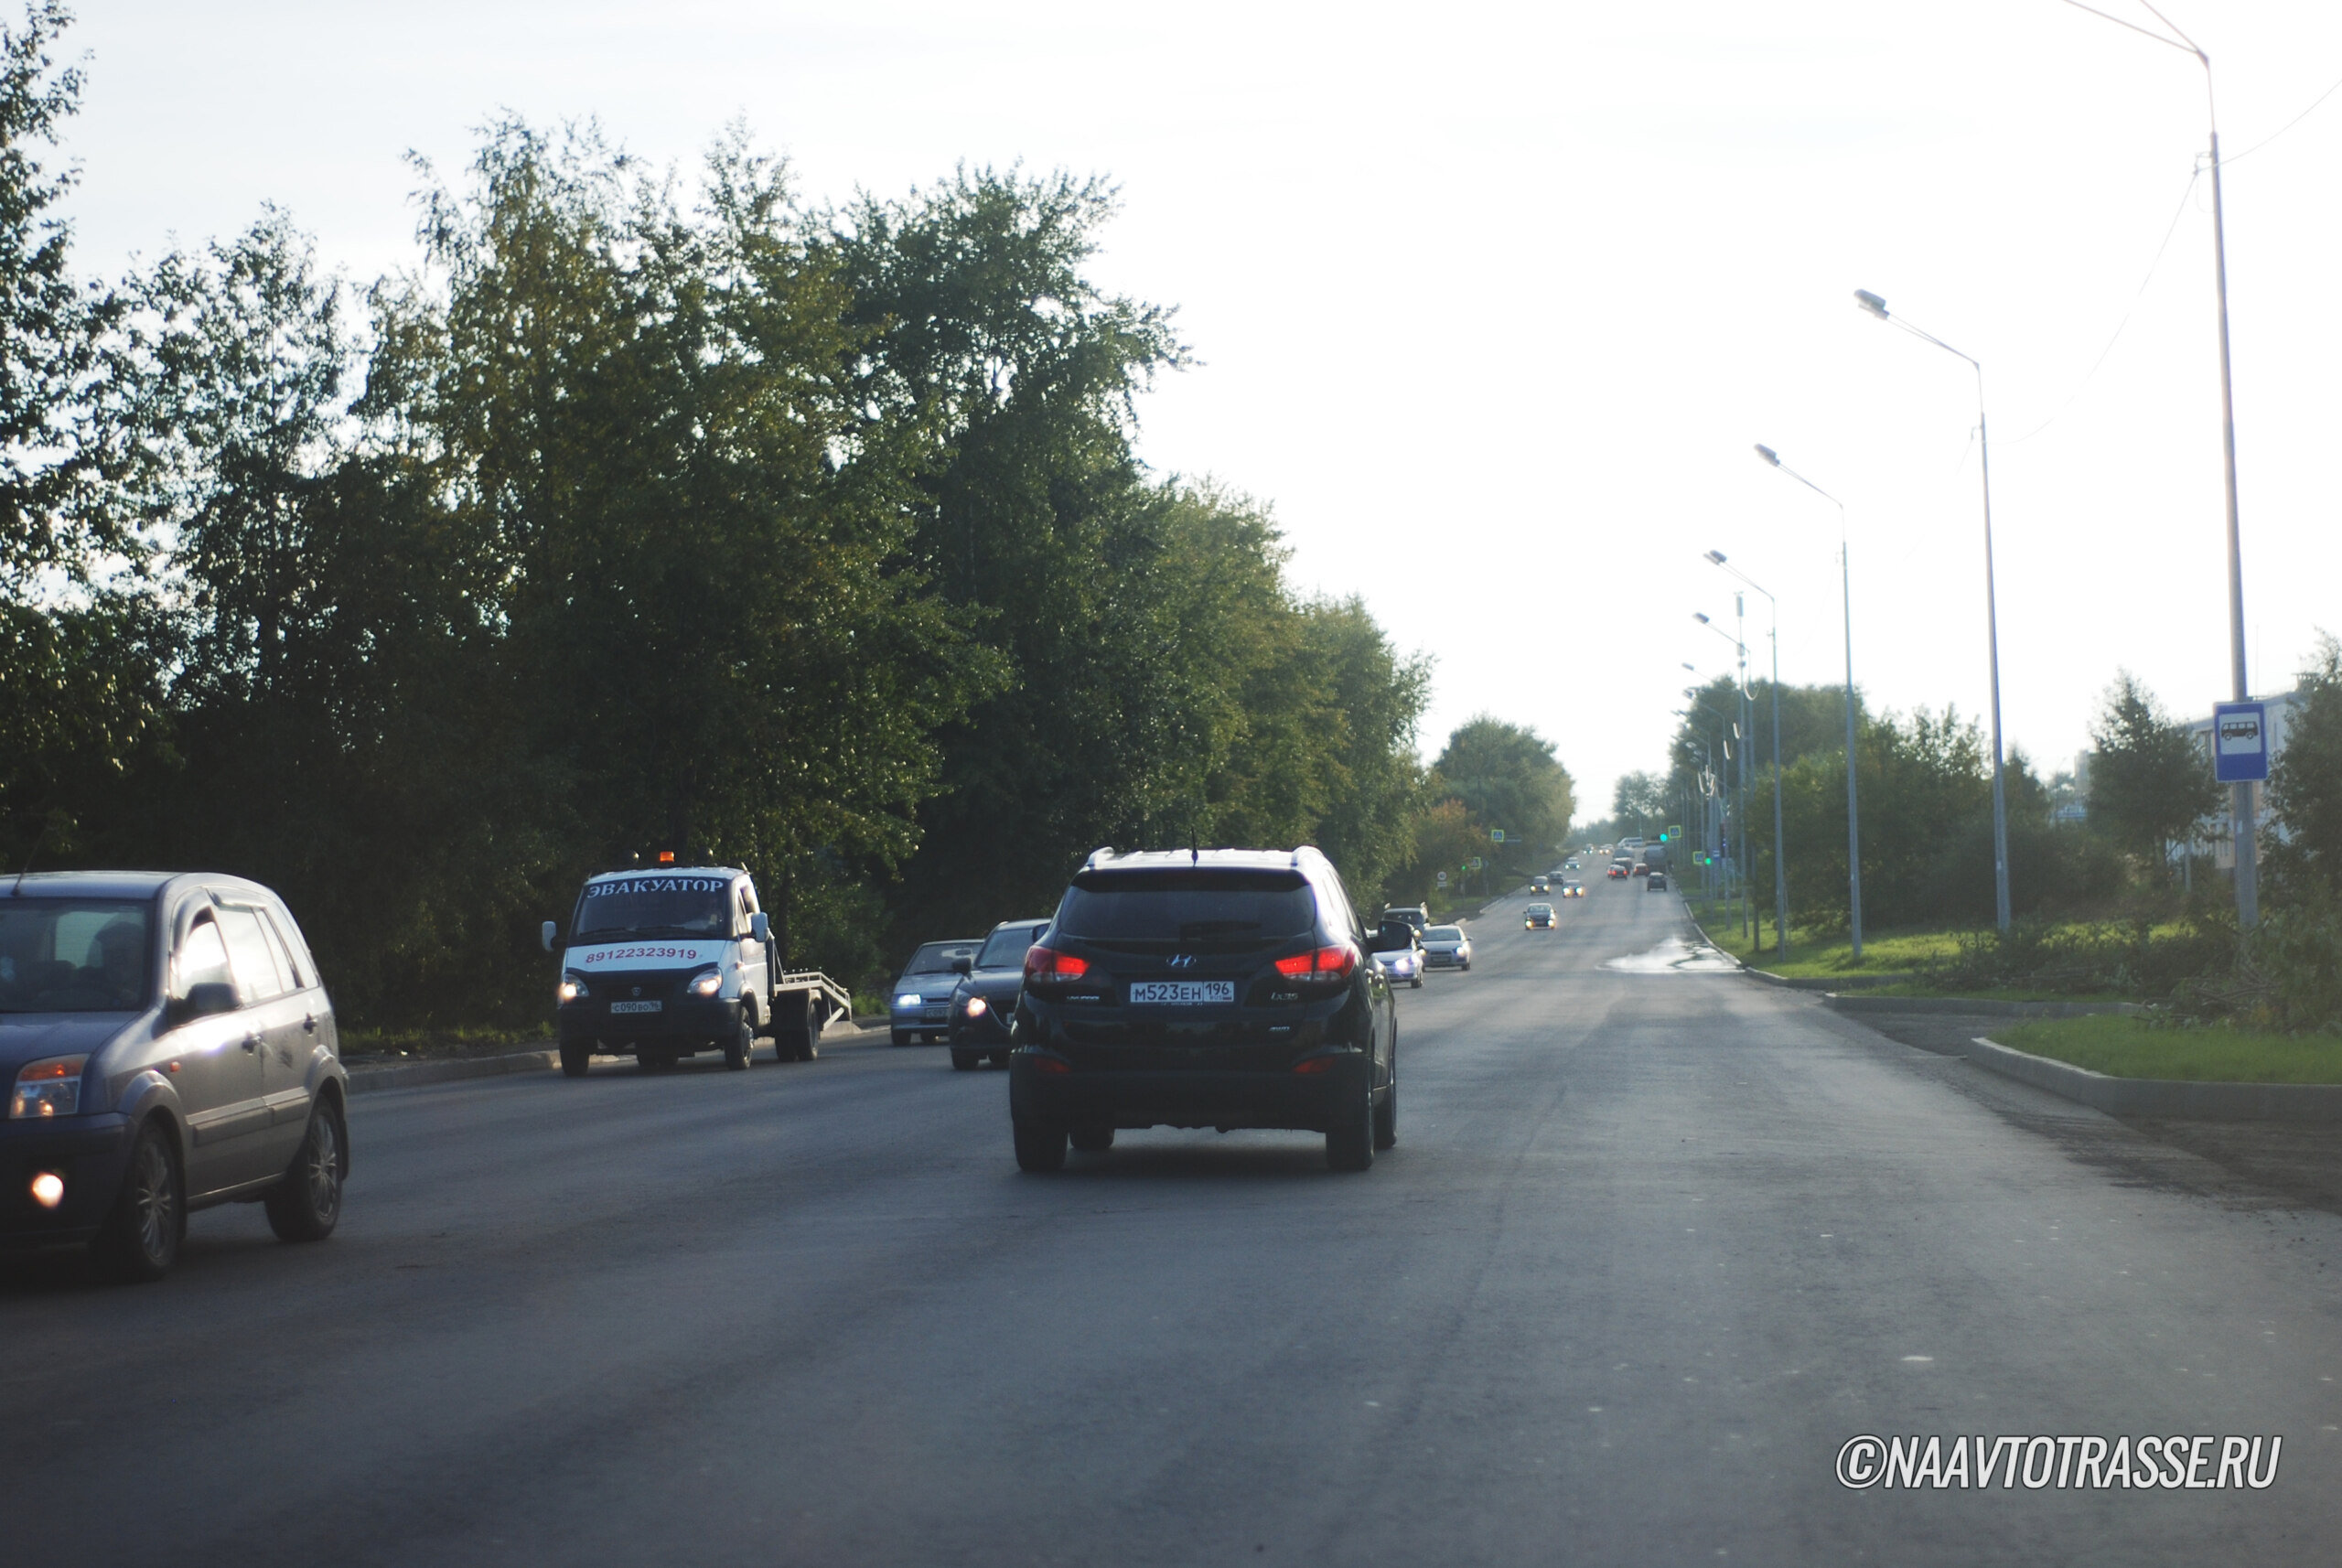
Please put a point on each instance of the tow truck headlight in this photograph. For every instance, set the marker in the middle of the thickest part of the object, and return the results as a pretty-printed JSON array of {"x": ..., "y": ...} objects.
[
  {"x": 573, "y": 988},
  {"x": 50, "y": 1087},
  {"x": 708, "y": 982}
]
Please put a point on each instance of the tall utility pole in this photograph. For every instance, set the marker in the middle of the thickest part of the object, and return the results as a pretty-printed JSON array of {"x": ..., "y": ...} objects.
[{"x": 2241, "y": 813}]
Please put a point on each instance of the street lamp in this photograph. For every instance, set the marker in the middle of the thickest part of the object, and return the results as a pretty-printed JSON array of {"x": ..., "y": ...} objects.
[
  {"x": 1846, "y": 595},
  {"x": 2248, "y": 873},
  {"x": 1780, "y": 875},
  {"x": 1877, "y": 307},
  {"x": 1723, "y": 749},
  {"x": 1740, "y": 773}
]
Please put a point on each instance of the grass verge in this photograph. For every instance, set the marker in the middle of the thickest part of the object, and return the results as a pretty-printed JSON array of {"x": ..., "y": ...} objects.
[
  {"x": 2129, "y": 1046},
  {"x": 462, "y": 1040}
]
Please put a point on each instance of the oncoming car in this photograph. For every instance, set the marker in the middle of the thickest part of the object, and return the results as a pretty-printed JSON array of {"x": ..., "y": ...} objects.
[
  {"x": 1540, "y": 885},
  {"x": 920, "y": 1004},
  {"x": 1537, "y": 917},
  {"x": 168, "y": 1046},
  {"x": 1572, "y": 889},
  {"x": 1400, "y": 954},
  {"x": 1217, "y": 988},
  {"x": 985, "y": 999},
  {"x": 1446, "y": 946}
]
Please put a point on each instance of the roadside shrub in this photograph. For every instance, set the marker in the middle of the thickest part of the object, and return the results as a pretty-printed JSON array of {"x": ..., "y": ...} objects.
[
  {"x": 2130, "y": 957},
  {"x": 2286, "y": 973}
]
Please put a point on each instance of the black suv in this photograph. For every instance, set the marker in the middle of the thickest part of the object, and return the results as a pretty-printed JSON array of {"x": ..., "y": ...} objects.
[{"x": 1222, "y": 988}]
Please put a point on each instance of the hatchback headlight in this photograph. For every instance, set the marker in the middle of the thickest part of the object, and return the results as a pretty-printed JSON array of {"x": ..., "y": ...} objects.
[
  {"x": 50, "y": 1087},
  {"x": 976, "y": 1008},
  {"x": 573, "y": 988},
  {"x": 909, "y": 999},
  {"x": 708, "y": 982}
]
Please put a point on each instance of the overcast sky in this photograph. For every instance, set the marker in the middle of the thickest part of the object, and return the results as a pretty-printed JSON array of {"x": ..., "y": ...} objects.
[{"x": 1492, "y": 300}]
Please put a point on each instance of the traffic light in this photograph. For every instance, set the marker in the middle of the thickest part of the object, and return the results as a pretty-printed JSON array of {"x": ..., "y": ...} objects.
[{"x": 1662, "y": 835}]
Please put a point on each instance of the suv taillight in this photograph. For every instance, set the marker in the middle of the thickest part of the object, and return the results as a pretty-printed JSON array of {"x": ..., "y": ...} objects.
[
  {"x": 1324, "y": 966},
  {"x": 1048, "y": 965}
]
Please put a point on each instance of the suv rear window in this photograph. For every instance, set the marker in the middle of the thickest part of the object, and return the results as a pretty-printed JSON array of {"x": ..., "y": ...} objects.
[{"x": 1196, "y": 907}]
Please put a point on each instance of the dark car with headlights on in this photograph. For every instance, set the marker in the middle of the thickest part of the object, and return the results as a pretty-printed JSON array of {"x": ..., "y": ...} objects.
[
  {"x": 919, "y": 1007},
  {"x": 1218, "y": 988},
  {"x": 168, "y": 1047},
  {"x": 1537, "y": 917},
  {"x": 985, "y": 1001}
]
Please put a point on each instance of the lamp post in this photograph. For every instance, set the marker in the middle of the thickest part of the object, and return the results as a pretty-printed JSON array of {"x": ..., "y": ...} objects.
[
  {"x": 1780, "y": 875},
  {"x": 1740, "y": 773},
  {"x": 1877, "y": 307},
  {"x": 1723, "y": 748},
  {"x": 2248, "y": 873},
  {"x": 1846, "y": 595}
]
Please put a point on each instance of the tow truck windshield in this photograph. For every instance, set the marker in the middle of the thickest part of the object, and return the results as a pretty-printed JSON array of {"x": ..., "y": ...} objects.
[{"x": 653, "y": 906}]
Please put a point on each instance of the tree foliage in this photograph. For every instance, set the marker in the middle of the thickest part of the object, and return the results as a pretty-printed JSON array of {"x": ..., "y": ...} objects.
[
  {"x": 2149, "y": 783},
  {"x": 640, "y": 514}
]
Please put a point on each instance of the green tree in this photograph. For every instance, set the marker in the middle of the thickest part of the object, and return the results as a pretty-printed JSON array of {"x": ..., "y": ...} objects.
[
  {"x": 2306, "y": 779},
  {"x": 1508, "y": 777},
  {"x": 2149, "y": 783},
  {"x": 1638, "y": 801}
]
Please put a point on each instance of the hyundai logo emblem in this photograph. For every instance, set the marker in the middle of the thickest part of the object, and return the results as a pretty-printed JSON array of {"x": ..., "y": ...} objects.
[{"x": 1182, "y": 960}]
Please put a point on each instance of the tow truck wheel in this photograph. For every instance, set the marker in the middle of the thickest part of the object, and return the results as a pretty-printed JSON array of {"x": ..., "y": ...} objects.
[
  {"x": 575, "y": 1060},
  {"x": 736, "y": 1049}
]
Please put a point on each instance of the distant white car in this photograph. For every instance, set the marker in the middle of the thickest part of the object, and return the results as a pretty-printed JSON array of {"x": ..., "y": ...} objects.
[{"x": 1446, "y": 946}]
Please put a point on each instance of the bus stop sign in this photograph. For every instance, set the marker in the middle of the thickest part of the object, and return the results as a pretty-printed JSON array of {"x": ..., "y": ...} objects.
[{"x": 2240, "y": 742}]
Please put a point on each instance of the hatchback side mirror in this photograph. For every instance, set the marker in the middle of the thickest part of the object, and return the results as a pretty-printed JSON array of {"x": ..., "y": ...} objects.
[
  {"x": 963, "y": 966},
  {"x": 547, "y": 933},
  {"x": 202, "y": 1000},
  {"x": 760, "y": 926}
]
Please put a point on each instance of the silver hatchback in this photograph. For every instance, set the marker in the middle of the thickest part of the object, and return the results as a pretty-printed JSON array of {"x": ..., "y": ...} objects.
[
  {"x": 1446, "y": 946},
  {"x": 167, "y": 1046}
]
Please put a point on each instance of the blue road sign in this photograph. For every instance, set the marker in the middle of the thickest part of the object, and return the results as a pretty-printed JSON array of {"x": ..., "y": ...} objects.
[{"x": 2240, "y": 742}]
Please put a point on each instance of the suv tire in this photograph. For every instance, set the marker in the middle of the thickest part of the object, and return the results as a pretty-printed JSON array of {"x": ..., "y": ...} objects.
[
  {"x": 1386, "y": 1116},
  {"x": 305, "y": 1206},
  {"x": 140, "y": 1238},
  {"x": 1349, "y": 1146},
  {"x": 1039, "y": 1148}
]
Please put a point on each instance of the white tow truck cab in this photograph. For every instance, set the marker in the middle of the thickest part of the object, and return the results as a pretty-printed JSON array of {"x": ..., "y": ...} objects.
[{"x": 663, "y": 962}]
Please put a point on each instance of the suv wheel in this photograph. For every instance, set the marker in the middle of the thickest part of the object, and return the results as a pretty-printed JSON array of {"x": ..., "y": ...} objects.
[
  {"x": 1386, "y": 1117},
  {"x": 1350, "y": 1145},
  {"x": 1039, "y": 1148},
  {"x": 141, "y": 1238},
  {"x": 307, "y": 1204}
]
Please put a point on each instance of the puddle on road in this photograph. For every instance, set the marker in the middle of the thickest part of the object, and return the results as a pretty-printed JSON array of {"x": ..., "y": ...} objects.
[{"x": 1676, "y": 956}]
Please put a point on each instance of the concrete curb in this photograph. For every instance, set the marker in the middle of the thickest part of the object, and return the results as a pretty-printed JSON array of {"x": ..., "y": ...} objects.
[
  {"x": 409, "y": 1075},
  {"x": 1823, "y": 982},
  {"x": 1975, "y": 1006},
  {"x": 2312, "y": 1102}
]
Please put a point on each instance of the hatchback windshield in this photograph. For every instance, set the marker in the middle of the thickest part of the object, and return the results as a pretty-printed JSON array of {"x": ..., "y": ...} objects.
[
  {"x": 72, "y": 955},
  {"x": 1004, "y": 949},
  {"x": 937, "y": 958},
  {"x": 1189, "y": 907},
  {"x": 1445, "y": 934},
  {"x": 654, "y": 907}
]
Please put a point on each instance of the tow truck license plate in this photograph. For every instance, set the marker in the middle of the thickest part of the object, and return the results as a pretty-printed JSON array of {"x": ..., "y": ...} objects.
[
  {"x": 636, "y": 1006},
  {"x": 1182, "y": 993}
]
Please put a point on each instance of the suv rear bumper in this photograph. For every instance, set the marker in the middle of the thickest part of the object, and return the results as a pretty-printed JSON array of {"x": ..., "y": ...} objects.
[{"x": 1312, "y": 1103}]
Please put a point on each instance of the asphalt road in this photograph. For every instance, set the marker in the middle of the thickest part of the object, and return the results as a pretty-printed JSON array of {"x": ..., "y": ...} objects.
[{"x": 1652, "y": 1247}]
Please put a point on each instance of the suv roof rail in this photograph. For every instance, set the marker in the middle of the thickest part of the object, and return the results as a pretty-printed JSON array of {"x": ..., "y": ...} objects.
[{"x": 1098, "y": 857}]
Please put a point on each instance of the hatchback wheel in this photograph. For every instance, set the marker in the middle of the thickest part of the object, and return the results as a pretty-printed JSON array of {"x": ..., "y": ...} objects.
[
  {"x": 963, "y": 1061},
  {"x": 305, "y": 1206},
  {"x": 1039, "y": 1148},
  {"x": 142, "y": 1234}
]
